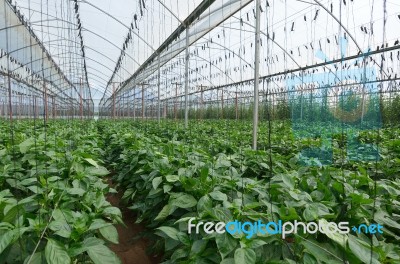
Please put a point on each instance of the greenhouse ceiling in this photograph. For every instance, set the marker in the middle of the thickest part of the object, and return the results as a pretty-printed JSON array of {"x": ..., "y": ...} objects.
[{"x": 116, "y": 52}]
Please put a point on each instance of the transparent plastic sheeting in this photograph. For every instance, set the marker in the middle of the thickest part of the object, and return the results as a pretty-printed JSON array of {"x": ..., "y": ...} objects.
[
  {"x": 210, "y": 19},
  {"x": 34, "y": 64},
  {"x": 327, "y": 105}
]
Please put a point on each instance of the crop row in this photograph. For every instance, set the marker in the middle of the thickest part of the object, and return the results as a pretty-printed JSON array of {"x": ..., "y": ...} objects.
[
  {"x": 52, "y": 195},
  {"x": 209, "y": 172}
]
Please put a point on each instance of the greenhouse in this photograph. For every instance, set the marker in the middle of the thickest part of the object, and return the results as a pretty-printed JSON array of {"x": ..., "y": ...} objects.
[{"x": 200, "y": 131}]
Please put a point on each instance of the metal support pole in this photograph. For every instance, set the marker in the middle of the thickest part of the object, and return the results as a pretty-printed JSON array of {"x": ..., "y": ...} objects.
[
  {"x": 176, "y": 99},
  {"x": 134, "y": 106},
  {"x": 236, "y": 106},
  {"x": 53, "y": 102},
  {"x": 158, "y": 92},
  {"x": 201, "y": 102},
  {"x": 20, "y": 106},
  {"x": 45, "y": 103},
  {"x": 113, "y": 110},
  {"x": 256, "y": 74},
  {"x": 142, "y": 101},
  {"x": 187, "y": 77},
  {"x": 80, "y": 96},
  {"x": 222, "y": 103}
]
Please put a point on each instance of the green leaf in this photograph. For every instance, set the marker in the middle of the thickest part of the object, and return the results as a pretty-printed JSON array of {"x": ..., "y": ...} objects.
[
  {"x": 341, "y": 239},
  {"x": 166, "y": 211},
  {"x": 156, "y": 182},
  {"x": 225, "y": 243},
  {"x": 255, "y": 243},
  {"x": 55, "y": 253},
  {"x": 218, "y": 196},
  {"x": 112, "y": 211},
  {"x": 320, "y": 252},
  {"x": 9, "y": 237},
  {"x": 245, "y": 256},
  {"x": 183, "y": 200},
  {"x": 60, "y": 228},
  {"x": 12, "y": 213},
  {"x": 100, "y": 254},
  {"x": 76, "y": 191},
  {"x": 172, "y": 178},
  {"x": 288, "y": 180},
  {"x": 92, "y": 162},
  {"x": 204, "y": 205},
  {"x": 362, "y": 250},
  {"x": 169, "y": 231},
  {"x": 26, "y": 145},
  {"x": 110, "y": 233},
  {"x": 38, "y": 258},
  {"x": 98, "y": 223},
  {"x": 180, "y": 253},
  {"x": 383, "y": 218},
  {"x": 198, "y": 247},
  {"x": 167, "y": 188},
  {"x": 86, "y": 244},
  {"x": 100, "y": 171},
  {"x": 228, "y": 261},
  {"x": 92, "y": 242}
]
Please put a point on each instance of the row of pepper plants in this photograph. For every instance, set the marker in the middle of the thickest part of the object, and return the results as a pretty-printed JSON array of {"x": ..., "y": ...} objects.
[
  {"x": 53, "y": 206},
  {"x": 170, "y": 174}
]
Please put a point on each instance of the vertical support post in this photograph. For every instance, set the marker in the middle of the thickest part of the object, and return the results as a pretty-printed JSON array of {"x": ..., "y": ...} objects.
[
  {"x": 45, "y": 103},
  {"x": 236, "y": 105},
  {"x": 28, "y": 110},
  {"x": 81, "y": 98},
  {"x": 187, "y": 77},
  {"x": 127, "y": 106},
  {"x": 113, "y": 109},
  {"x": 20, "y": 105},
  {"x": 123, "y": 106},
  {"x": 256, "y": 74},
  {"x": 134, "y": 106},
  {"x": 363, "y": 103},
  {"x": 158, "y": 92},
  {"x": 201, "y": 102},
  {"x": 176, "y": 99},
  {"x": 35, "y": 107},
  {"x": 222, "y": 103},
  {"x": 142, "y": 101},
  {"x": 53, "y": 103}
]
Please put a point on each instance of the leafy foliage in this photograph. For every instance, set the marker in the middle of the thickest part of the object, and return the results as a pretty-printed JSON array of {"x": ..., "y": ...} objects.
[
  {"x": 209, "y": 172},
  {"x": 51, "y": 182}
]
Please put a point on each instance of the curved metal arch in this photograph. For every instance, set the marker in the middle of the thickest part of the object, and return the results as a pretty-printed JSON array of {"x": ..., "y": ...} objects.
[
  {"x": 68, "y": 22},
  {"x": 177, "y": 18},
  {"x": 64, "y": 39},
  {"x": 116, "y": 19},
  {"x": 65, "y": 64},
  {"x": 38, "y": 90},
  {"x": 287, "y": 53},
  {"x": 56, "y": 40},
  {"x": 230, "y": 51},
  {"x": 347, "y": 31},
  {"x": 60, "y": 89},
  {"x": 97, "y": 35},
  {"x": 167, "y": 79},
  {"x": 203, "y": 76},
  {"x": 24, "y": 65}
]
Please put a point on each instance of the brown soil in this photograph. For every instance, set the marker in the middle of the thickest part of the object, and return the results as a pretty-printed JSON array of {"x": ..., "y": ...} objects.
[{"x": 130, "y": 250}]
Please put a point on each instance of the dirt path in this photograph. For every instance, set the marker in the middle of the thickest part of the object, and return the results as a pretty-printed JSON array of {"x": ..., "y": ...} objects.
[{"x": 129, "y": 249}]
